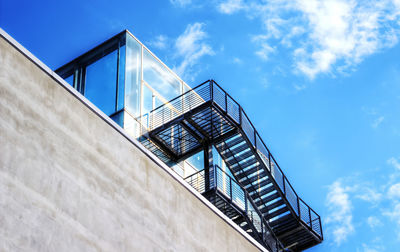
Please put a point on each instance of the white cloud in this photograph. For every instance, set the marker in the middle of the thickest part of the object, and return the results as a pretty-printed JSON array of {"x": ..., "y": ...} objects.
[
  {"x": 190, "y": 47},
  {"x": 368, "y": 194},
  {"x": 230, "y": 6},
  {"x": 394, "y": 214},
  {"x": 377, "y": 122},
  {"x": 237, "y": 61},
  {"x": 394, "y": 162},
  {"x": 340, "y": 212},
  {"x": 325, "y": 36},
  {"x": 373, "y": 222},
  {"x": 372, "y": 248},
  {"x": 181, "y": 3},
  {"x": 394, "y": 191},
  {"x": 160, "y": 42}
]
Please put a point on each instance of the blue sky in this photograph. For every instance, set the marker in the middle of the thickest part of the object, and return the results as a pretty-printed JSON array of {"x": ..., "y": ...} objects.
[{"x": 319, "y": 79}]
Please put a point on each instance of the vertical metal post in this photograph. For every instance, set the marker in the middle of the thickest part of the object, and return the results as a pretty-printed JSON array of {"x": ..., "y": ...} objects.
[
  {"x": 226, "y": 103},
  {"x": 208, "y": 162},
  {"x": 230, "y": 188},
  {"x": 255, "y": 138},
  {"x": 240, "y": 115},
  {"x": 212, "y": 90},
  {"x": 284, "y": 184},
  {"x": 245, "y": 203},
  {"x": 298, "y": 207},
  {"x": 309, "y": 213}
]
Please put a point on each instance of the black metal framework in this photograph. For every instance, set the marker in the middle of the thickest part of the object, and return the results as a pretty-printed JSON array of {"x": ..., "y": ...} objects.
[
  {"x": 207, "y": 115},
  {"x": 77, "y": 67},
  {"x": 233, "y": 200}
]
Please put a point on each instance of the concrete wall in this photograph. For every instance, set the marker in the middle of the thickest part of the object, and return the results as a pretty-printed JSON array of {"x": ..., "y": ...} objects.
[{"x": 71, "y": 181}]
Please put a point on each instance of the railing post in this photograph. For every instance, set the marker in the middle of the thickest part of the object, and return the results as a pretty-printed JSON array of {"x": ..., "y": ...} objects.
[
  {"x": 298, "y": 207},
  {"x": 309, "y": 213},
  {"x": 320, "y": 227},
  {"x": 230, "y": 188},
  {"x": 245, "y": 203},
  {"x": 212, "y": 90},
  {"x": 255, "y": 138},
  {"x": 226, "y": 103},
  {"x": 284, "y": 185},
  {"x": 240, "y": 115}
]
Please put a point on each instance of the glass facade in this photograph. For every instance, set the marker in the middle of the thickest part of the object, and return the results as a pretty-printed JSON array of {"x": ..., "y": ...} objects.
[
  {"x": 126, "y": 81},
  {"x": 101, "y": 83}
]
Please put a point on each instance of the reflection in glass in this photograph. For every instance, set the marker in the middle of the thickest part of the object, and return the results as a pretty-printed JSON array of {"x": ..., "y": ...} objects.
[
  {"x": 101, "y": 82},
  {"x": 121, "y": 78},
  {"x": 132, "y": 77},
  {"x": 70, "y": 80},
  {"x": 197, "y": 160},
  {"x": 159, "y": 77}
]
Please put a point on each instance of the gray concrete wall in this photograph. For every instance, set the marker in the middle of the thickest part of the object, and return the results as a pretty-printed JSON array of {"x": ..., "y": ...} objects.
[{"x": 70, "y": 181}]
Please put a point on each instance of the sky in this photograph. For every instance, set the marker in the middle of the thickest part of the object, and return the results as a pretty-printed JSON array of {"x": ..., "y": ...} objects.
[{"x": 320, "y": 81}]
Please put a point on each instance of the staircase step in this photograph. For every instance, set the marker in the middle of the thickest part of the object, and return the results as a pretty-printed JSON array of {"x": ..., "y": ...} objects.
[
  {"x": 229, "y": 152},
  {"x": 270, "y": 197},
  {"x": 236, "y": 157},
  {"x": 248, "y": 180},
  {"x": 275, "y": 213},
  {"x": 263, "y": 191},
  {"x": 251, "y": 189},
  {"x": 247, "y": 172}
]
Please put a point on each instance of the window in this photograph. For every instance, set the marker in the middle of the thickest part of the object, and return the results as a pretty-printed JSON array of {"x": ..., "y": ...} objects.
[
  {"x": 132, "y": 77},
  {"x": 159, "y": 77},
  {"x": 70, "y": 80},
  {"x": 101, "y": 82}
]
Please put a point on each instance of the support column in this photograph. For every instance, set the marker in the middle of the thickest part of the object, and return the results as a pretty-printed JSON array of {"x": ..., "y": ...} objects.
[{"x": 209, "y": 173}]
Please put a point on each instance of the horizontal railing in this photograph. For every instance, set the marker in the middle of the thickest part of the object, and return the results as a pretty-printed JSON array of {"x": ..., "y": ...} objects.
[
  {"x": 238, "y": 197},
  {"x": 211, "y": 91}
]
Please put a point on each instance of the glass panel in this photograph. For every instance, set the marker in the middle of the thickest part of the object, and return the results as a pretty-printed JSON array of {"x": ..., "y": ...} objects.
[
  {"x": 218, "y": 160},
  {"x": 132, "y": 77},
  {"x": 147, "y": 100},
  {"x": 119, "y": 118},
  {"x": 70, "y": 80},
  {"x": 121, "y": 78},
  {"x": 197, "y": 160},
  {"x": 159, "y": 77},
  {"x": 101, "y": 82}
]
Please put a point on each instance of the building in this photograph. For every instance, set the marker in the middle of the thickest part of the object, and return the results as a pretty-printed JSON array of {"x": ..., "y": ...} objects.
[{"x": 200, "y": 133}]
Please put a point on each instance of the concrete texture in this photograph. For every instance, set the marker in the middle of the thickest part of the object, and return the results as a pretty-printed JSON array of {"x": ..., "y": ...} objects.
[{"x": 71, "y": 182}]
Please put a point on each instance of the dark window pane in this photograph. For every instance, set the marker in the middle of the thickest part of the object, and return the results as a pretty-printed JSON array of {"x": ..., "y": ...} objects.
[
  {"x": 119, "y": 118},
  {"x": 101, "y": 83},
  {"x": 70, "y": 80}
]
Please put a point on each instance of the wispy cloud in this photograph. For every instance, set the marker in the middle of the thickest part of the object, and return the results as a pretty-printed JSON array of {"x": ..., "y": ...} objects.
[
  {"x": 394, "y": 214},
  {"x": 230, "y": 6},
  {"x": 394, "y": 162},
  {"x": 237, "y": 61},
  {"x": 394, "y": 191},
  {"x": 374, "y": 222},
  {"x": 368, "y": 194},
  {"x": 181, "y": 3},
  {"x": 190, "y": 47},
  {"x": 377, "y": 122},
  {"x": 324, "y": 36},
  {"x": 340, "y": 212},
  {"x": 159, "y": 42}
]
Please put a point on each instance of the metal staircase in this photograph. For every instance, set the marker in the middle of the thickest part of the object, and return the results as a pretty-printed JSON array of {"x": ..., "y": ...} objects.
[{"x": 207, "y": 115}]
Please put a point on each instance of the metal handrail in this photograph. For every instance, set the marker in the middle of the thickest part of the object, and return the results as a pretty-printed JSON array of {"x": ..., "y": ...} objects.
[
  {"x": 284, "y": 184},
  {"x": 245, "y": 207}
]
